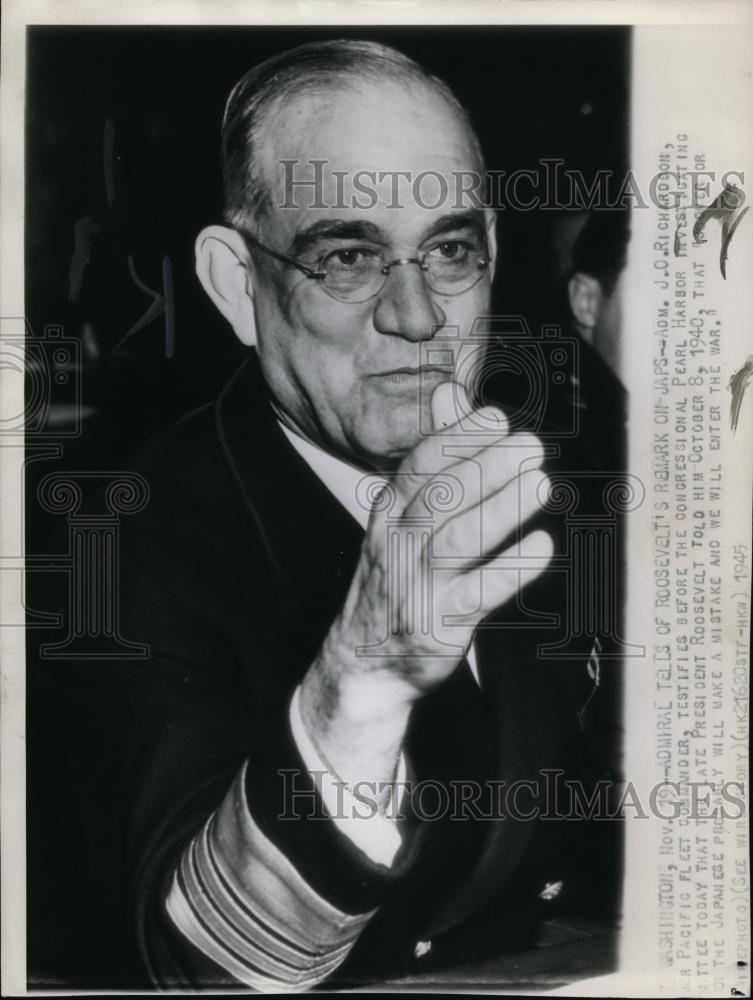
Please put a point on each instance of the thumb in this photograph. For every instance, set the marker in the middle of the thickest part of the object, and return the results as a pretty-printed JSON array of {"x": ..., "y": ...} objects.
[{"x": 449, "y": 404}]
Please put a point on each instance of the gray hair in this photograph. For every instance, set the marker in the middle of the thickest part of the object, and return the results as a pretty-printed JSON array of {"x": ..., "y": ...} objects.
[{"x": 310, "y": 68}]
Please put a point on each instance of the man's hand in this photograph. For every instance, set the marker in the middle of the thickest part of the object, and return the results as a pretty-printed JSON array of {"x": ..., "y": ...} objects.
[{"x": 430, "y": 570}]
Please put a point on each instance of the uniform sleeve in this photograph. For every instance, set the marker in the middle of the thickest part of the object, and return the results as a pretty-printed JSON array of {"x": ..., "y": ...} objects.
[
  {"x": 268, "y": 920},
  {"x": 238, "y": 899}
]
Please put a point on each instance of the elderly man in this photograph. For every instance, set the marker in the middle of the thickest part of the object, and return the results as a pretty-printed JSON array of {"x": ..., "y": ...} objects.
[{"x": 318, "y": 552}]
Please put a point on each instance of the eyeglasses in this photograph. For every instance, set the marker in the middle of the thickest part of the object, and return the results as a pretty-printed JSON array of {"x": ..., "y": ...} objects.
[{"x": 357, "y": 274}]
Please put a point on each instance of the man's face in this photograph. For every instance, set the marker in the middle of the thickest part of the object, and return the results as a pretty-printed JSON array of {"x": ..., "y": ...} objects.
[{"x": 352, "y": 377}]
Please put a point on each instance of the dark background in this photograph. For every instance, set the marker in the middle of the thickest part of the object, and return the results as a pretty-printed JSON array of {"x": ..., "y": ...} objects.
[{"x": 533, "y": 93}]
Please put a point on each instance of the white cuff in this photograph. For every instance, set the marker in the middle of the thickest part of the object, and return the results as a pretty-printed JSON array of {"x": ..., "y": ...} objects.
[{"x": 353, "y": 813}]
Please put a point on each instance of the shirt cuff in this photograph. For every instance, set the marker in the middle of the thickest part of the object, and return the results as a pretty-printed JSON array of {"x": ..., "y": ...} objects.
[{"x": 354, "y": 813}]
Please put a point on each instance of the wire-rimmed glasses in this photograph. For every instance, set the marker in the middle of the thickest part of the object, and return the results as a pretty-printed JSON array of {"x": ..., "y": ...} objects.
[{"x": 359, "y": 273}]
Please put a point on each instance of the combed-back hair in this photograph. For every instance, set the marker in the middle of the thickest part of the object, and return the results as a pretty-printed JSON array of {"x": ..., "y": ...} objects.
[{"x": 313, "y": 68}]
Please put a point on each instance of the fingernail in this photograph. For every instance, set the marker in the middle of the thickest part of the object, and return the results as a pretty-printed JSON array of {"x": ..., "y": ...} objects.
[{"x": 492, "y": 414}]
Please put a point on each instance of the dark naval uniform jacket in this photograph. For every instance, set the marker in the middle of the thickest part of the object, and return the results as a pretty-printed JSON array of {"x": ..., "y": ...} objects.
[{"x": 228, "y": 579}]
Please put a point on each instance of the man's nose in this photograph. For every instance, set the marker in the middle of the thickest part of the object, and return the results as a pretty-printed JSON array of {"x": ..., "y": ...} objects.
[{"x": 405, "y": 308}]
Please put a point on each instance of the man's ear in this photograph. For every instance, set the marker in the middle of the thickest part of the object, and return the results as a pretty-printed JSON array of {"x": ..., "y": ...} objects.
[
  {"x": 585, "y": 294},
  {"x": 224, "y": 268}
]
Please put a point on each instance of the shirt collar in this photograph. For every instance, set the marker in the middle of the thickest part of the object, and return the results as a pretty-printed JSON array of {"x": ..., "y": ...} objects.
[{"x": 349, "y": 485}]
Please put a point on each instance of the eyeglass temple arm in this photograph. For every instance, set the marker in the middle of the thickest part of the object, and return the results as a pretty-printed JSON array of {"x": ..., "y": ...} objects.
[{"x": 309, "y": 272}]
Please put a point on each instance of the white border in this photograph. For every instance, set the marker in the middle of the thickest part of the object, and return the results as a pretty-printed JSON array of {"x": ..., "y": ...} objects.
[{"x": 17, "y": 14}]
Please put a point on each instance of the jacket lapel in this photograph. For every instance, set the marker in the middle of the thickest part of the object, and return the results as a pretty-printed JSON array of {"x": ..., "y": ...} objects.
[
  {"x": 523, "y": 704},
  {"x": 311, "y": 542}
]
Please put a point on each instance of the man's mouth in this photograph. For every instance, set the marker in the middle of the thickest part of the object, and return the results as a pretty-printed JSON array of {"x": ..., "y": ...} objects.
[{"x": 415, "y": 376}]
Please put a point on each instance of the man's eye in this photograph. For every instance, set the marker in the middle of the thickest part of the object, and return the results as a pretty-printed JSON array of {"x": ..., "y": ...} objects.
[
  {"x": 348, "y": 257},
  {"x": 451, "y": 249}
]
